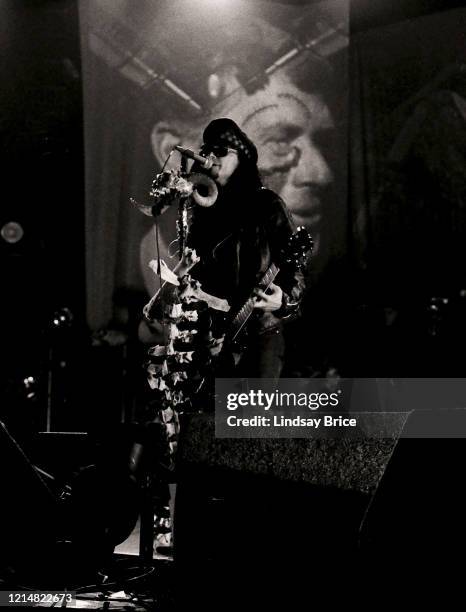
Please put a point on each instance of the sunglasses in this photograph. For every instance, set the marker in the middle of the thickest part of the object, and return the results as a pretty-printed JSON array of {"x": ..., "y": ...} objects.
[{"x": 217, "y": 150}]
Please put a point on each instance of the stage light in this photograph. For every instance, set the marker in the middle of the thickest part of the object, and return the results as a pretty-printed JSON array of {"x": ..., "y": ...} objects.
[
  {"x": 62, "y": 318},
  {"x": 217, "y": 3},
  {"x": 12, "y": 232},
  {"x": 214, "y": 6},
  {"x": 30, "y": 387}
]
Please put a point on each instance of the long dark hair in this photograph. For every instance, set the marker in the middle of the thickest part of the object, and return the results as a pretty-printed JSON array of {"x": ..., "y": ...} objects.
[
  {"x": 233, "y": 208},
  {"x": 246, "y": 178}
]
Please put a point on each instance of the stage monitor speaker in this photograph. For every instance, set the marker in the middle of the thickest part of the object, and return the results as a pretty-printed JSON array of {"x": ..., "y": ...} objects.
[
  {"x": 418, "y": 513},
  {"x": 29, "y": 509},
  {"x": 60, "y": 525}
]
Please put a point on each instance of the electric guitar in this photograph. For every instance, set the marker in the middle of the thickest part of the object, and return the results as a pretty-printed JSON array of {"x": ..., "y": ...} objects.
[{"x": 300, "y": 244}]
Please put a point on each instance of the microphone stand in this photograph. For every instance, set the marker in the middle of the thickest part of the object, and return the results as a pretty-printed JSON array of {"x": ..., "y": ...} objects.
[{"x": 182, "y": 213}]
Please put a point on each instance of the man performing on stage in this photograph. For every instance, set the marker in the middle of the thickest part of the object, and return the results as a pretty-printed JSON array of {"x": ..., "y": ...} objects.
[
  {"x": 241, "y": 255},
  {"x": 235, "y": 241}
]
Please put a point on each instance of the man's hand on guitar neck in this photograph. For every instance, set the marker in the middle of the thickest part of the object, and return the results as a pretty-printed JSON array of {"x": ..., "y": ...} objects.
[{"x": 268, "y": 300}]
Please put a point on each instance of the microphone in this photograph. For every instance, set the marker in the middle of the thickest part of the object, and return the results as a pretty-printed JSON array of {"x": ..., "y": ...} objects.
[{"x": 205, "y": 162}]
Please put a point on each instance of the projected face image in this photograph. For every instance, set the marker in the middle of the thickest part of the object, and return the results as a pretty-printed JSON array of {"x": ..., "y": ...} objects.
[{"x": 290, "y": 128}]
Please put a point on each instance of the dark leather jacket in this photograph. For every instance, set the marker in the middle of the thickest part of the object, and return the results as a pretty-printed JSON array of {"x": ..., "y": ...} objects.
[{"x": 237, "y": 242}]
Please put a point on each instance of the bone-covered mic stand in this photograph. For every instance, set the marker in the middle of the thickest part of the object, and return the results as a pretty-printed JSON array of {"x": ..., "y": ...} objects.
[{"x": 182, "y": 213}]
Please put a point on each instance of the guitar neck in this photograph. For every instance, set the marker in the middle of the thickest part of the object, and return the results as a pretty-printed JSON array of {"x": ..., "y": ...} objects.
[{"x": 245, "y": 312}]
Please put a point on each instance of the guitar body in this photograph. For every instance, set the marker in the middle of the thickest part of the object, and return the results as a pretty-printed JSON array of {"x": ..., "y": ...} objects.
[
  {"x": 201, "y": 346},
  {"x": 235, "y": 339}
]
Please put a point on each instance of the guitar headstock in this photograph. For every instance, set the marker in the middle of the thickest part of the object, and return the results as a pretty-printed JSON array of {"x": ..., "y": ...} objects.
[{"x": 300, "y": 245}]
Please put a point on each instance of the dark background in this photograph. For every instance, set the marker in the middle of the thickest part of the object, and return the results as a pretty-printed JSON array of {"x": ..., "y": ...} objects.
[
  {"x": 386, "y": 308},
  {"x": 42, "y": 159}
]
